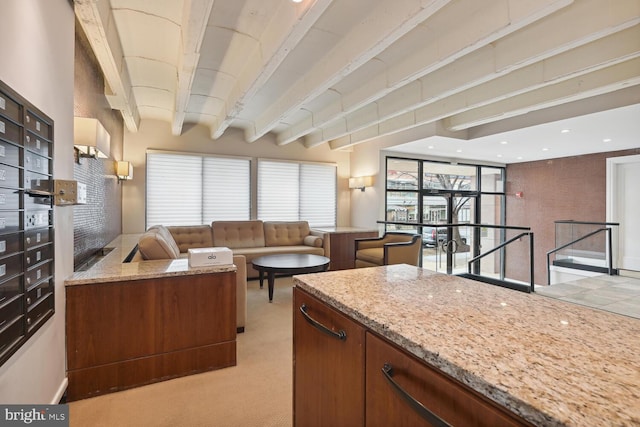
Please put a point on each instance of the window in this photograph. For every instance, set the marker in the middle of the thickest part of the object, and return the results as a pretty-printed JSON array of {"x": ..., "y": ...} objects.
[
  {"x": 291, "y": 191},
  {"x": 193, "y": 189}
]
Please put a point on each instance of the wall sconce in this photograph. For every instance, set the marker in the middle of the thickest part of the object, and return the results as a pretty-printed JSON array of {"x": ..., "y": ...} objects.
[
  {"x": 124, "y": 171},
  {"x": 361, "y": 182},
  {"x": 90, "y": 138}
]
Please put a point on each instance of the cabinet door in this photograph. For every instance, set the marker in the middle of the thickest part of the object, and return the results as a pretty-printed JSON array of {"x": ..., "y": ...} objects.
[
  {"x": 445, "y": 399},
  {"x": 328, "y": 386}
]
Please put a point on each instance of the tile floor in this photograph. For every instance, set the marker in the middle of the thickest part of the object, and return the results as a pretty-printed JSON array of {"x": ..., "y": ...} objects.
[{"x": 618, "y": 294}]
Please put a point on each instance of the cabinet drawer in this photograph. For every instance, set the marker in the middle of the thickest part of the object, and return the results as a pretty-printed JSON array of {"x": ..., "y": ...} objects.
[
  {"x": 39, "y": 254},
  {"x": 9, "y": 131},
  {"x": 9, "y": 222},
  {"x": 9, "y": 108},
  {"x": 10, "y": 266},
  {"x": 37, "y": 125},
  {"x": 37, "y": 219},
  {"x": 34, "y": 162},
  {"x": 328, "y": 370},
  {"x": 441, "y": 395},
  {"x": 34, "y": 202},
  {"x": 10, "y": 244},
  {"x": 39, "y": 273},
  {"x": 9, "y": 176},
  {"x": 10, "y": 334},
  {"x": 37, "y": 144},
  {"x": 9, "y": 199},
  {"x": 37, "y": 237},
  {"x": 9, "y": 311},
  {"x": 36, "y": 181},
  {"x": 38, "y": 292},
  {"x": 40, "y": 311},
  {"x": 9, "y": 153},
  {"x": 10, "y": 289}
]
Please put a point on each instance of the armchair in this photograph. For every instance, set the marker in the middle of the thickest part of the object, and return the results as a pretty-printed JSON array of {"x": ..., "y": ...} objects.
[{"x": 392, "y": 248}]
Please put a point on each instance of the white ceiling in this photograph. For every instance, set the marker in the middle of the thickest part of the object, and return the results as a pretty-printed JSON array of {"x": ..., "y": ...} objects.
[{"x": 448, "y": 74}]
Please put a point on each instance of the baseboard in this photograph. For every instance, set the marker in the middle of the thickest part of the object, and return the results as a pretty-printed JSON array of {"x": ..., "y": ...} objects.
[
  {"x": 60, "y": 397},
  {"x": 630, "y": 273}
]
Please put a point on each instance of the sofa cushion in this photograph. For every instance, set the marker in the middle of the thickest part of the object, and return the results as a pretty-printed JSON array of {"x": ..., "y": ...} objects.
[
  {"x": 238, "y": 234},
  {"x": 285, "y": 233},
  {"x": 196, "y": 236},
  {"x": 157, "y": 243}
]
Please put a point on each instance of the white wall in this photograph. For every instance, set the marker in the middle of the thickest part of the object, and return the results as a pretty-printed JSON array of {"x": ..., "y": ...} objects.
[
  {"x": 37, "y": 61},
  {"x": 154, "y": 134}
]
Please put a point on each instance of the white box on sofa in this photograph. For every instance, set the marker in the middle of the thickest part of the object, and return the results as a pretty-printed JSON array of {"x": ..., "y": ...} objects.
[{"x": 203, "y": 257}]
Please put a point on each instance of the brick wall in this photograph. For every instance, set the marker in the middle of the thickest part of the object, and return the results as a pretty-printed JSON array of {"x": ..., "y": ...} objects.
[{"x": 569, "y": 188}]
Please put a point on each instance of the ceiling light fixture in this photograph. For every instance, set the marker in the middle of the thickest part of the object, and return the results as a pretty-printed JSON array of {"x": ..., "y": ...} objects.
[
  {"x": 606, "y": 140},
  {"x": 565, "y": 131},
  {"x": 503, "y": 142}
]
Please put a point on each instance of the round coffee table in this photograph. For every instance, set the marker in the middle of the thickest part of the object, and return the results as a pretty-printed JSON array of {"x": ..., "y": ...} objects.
[{"x": 288, "y": 264}]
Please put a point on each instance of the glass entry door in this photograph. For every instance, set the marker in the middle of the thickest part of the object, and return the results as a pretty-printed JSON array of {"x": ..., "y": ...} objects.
[{"x": 447, "y": 248}]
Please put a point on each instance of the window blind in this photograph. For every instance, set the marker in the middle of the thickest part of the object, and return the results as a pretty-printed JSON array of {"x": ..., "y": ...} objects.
[
  {"x": 290, "y": 191},
  {"x": 174, "y": 189},
  {"x": 185, "y": 189},
  {"x": 226, "y": 189}
]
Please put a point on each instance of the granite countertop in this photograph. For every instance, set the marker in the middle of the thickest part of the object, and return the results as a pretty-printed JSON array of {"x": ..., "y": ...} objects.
[
  {"x": 112, "y": 269},
  {"x": 549, "y": 361}
]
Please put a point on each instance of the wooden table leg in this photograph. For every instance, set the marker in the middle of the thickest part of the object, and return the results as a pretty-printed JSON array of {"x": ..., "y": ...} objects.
[
  {"x": 261, "y": 276},
  {"x": 271, "y": 277}
]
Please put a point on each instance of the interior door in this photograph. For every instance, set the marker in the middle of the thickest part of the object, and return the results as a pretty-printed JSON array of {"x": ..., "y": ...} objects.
[{"x": 623, "y": 205}]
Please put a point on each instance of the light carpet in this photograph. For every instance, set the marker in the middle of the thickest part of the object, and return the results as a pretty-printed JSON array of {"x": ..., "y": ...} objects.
[{"x": 256, "y": 392}]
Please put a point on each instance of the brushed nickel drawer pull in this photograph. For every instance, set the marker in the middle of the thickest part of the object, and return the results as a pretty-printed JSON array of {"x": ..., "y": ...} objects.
[
  {"x": 341, "y": 334},
  {"x": 430, "y": 417}
]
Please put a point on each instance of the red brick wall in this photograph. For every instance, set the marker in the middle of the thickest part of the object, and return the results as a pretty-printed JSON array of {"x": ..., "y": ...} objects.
[{"x": 568, "y": 188}]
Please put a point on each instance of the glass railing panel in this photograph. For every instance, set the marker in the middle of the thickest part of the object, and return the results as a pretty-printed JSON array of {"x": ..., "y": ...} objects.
[{"x": 583, "y": 245}]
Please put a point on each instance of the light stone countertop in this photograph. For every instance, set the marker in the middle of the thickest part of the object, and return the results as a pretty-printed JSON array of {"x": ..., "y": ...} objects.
[
  {"x": 551, "y": 362},
  {"x": 112, "y": 269}
]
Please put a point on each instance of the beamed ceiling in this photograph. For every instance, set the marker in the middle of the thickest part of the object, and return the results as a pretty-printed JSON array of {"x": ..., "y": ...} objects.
[{"x": 344, "y": 72}]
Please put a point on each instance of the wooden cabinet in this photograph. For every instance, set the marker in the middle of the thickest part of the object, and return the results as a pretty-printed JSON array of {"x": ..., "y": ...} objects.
[
  {"x": 330, "y": 376},
  {"x": 328, "y": 363},
  {"x": 339, "y": 245},
  {"x": 404, "y": 391},
  {"x": 125, "y": 334}
]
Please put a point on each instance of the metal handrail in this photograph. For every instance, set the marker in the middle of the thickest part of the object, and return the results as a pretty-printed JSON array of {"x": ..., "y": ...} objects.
[
  {"x": 527, "y": 232},
  {"x": 607, "y": 230},
  {"x": 502, "y": 245}
]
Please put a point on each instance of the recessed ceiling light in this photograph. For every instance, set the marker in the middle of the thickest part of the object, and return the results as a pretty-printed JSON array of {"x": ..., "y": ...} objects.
[
  {"x": 519, "y": 157},
  {"x": 565, "y": 131},
  {"x": 545, "y": 149},
  {"x": 297, "y": 1},
  {"x": 458, "y": 151},
  {"x": 503, "y": 142},
  {"x": 499, "y": 155},
  {"x": 606, "y": 140},
  {"x": 430, "y": 147}
]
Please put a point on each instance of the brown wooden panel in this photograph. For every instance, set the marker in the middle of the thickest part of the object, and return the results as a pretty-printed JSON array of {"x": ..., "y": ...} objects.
[
  {"x": 113, "y": 377},
  {"x": 328, "y": 372},
  {"x": 111, "y": 322},
  {"x": 448, "y": 399},
  {"x": 342, "y": 248}
]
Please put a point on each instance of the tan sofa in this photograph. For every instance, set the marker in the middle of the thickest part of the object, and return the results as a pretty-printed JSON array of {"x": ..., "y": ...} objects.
[{"x": 247, "y": 240}]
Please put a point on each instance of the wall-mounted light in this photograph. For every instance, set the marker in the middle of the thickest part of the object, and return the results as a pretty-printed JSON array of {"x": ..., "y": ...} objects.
[
  {"x": 361, "y": 182},
  {"x": 124, "y": 171},
  {"x": 90, "y": 138}
]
